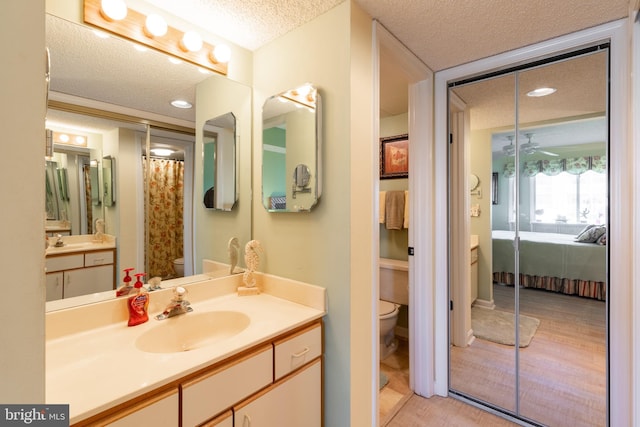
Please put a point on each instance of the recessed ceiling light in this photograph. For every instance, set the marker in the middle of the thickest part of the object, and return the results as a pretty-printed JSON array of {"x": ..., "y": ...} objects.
[
  {"x": 542, "y": 91},
  {"x": 162, "y": 151},
  {"x": 180, "y": 103}
]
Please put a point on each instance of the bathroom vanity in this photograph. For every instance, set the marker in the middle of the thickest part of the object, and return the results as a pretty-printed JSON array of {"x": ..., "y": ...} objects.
[
  {"x": 80, "y": 267},
  {"x": 263, "y": 353}
]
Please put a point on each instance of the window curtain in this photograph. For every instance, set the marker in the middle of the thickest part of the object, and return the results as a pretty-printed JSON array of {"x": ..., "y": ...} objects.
[
  {"x": 552, "y": 167},
  {"x": 164, "y": 221}
]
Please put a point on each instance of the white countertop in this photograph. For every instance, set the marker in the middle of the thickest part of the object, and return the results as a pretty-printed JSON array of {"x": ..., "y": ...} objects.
[
  {"x": 95, "y": 369},
  {"x": 80, "y": 243}
]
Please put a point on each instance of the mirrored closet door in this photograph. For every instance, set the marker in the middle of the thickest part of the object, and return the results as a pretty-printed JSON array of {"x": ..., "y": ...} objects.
[{"x": 537, "y": 141}]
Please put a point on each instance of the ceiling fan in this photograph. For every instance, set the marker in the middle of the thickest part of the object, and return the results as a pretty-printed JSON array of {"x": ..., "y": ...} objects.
[{"x": 526, "y": 148}]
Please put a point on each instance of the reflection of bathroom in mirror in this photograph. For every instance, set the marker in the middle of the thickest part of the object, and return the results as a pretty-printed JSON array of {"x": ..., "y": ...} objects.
[
  {"x": 81, "y": 64},
  {"x": 291, "y": 150},
  {"x": 219, "y": 157}
]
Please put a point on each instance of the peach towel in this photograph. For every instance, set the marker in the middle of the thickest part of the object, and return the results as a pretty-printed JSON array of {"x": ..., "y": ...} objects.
[{"x": 394, "y": 207}]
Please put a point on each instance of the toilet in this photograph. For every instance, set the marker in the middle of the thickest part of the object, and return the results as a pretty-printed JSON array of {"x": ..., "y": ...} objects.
[
  {"x": 178, "y": 266},
  {"x": 388, "y": 316}
]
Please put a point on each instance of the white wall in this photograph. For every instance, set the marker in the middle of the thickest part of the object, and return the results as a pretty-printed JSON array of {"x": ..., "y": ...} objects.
[
  {"x": 22, "y": 113},
  {"x": 329, "y": 246}
]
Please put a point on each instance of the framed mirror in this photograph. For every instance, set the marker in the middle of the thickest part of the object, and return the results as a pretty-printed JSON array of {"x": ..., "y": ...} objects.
[
  {"x": 108, "y": 173},
  {"x": 220, "y": 168},
  {"x": 291, "y": 150}
]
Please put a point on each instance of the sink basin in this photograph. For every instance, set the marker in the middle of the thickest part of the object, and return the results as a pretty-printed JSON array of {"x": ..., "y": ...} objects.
[{"x": 191, "y": 331}]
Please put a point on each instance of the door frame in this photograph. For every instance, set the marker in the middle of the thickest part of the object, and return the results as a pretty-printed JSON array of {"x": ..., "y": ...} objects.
[
  {"x": 421, "y": 180},
  {"x": 621, "y": 218}
]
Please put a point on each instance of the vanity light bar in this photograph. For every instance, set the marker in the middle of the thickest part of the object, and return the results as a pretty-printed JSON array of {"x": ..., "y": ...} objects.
[
  {"x": 69, "y": 139},
  {"x": 132, "y": 27}
]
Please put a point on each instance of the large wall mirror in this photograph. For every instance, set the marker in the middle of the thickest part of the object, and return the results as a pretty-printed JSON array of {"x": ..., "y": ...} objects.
[
  {"x": 539, "y": 274},
  {"x": 291, "y": 150},
  {"x": 88, "y": 70},
  {"x": 219, "y": 158}
]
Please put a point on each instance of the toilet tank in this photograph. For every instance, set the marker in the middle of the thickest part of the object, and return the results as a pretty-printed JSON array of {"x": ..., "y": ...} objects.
[{"x": 394, "y": 280}]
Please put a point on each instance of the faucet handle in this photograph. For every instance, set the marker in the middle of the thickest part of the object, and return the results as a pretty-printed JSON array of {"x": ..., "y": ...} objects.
[{"x": 179, "y": 293}]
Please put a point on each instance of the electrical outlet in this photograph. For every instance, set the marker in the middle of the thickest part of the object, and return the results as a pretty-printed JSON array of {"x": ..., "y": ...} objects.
[{"x": 475, "y": 210}]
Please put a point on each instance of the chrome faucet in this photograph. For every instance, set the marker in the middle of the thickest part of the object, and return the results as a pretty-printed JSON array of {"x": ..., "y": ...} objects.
[{"x": 177, "y": 306}]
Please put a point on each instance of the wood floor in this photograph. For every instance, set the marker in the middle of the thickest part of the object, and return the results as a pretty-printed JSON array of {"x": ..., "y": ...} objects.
[
  {"x": 563, "y": 371},
  {"x": 393, "y": 395},
  {"x": 563, "y": 380}
]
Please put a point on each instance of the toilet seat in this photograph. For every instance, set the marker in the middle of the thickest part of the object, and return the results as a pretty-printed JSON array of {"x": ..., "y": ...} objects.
[{"x": 386, "y": 309}]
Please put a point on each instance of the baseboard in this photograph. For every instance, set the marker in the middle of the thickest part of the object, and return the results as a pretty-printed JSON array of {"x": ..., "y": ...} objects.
[
  {"x": 470, "y": 337},
  {"x": 484, "y": 303}
]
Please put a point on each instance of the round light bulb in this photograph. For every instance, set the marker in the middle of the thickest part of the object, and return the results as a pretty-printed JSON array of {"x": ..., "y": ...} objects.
[
  {"x": 542, "y": 91},
  {"x": 221, "y": 54},
  {"x": 64, "y": 137},
  {"x": 114, "y": 10},
  {"x": 162, "y": 151},
  {"x": 155, "y": 25},
  {"x": 191, "y": 41},
  {"x": 180, "y": 103}
]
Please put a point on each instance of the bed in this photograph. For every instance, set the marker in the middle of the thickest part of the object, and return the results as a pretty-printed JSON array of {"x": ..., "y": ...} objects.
[{"x": 550, "y": 261}]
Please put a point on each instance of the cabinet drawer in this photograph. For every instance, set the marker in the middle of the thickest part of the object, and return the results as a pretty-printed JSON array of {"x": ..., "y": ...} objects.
[
  {"x": 66, "y": 262},
  {"x": 474, "y": 255},
  {"x": 98, "y": 258},
  {"x": 297, "y": 350},
  {"x": 158, "y": 410},
  {"x": 214, "y": 392}
]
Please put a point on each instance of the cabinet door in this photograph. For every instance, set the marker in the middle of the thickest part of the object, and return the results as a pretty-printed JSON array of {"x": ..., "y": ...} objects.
[
  {"x": 293, "y": 402},
  {"x": 88, "y": 280},
  {"x": 160, "y": 410},
  {"x": 54, "y": 286}
]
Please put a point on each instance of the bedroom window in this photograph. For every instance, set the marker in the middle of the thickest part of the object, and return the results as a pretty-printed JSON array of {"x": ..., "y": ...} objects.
[{"x": 572, "y": 199}]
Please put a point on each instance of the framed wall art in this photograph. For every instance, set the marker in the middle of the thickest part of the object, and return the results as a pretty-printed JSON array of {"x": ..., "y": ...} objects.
[{"x": 394, "y": 157}]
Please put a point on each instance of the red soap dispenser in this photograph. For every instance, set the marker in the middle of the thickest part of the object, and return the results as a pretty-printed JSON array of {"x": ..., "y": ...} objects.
[
  {"x": 126, "y": 288},
  {"x": 139, "y": 303}
]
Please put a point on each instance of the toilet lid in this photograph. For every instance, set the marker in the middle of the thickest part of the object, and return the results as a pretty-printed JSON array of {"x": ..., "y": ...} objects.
[
  {"x": 178, "y": 261},
  {"x": 385, "y": 307}
]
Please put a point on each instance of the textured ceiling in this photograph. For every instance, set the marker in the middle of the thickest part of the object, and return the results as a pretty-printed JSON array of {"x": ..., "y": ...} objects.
[
  {"x": 247, "y": 23},
  {"x": 441, "y": 33},
  {"x": 444, "y": 34}
]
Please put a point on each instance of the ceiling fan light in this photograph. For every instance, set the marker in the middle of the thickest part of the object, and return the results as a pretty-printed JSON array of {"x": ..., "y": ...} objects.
[{"x": 541, "y": 91}]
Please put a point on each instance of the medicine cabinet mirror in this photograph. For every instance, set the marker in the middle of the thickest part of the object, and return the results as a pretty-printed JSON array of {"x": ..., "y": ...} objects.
[
  {"x": 291, "y": 150},
  {"x": 220, "y": 168},
  {"x": 108, "y": 173}
]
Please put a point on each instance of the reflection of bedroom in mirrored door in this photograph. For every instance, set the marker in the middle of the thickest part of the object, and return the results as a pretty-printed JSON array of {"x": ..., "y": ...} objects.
[{"x": 528, "y": 318}]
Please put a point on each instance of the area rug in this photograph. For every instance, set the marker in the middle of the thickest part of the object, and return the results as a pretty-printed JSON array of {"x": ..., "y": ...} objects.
[{"x": 498, "y": 326}]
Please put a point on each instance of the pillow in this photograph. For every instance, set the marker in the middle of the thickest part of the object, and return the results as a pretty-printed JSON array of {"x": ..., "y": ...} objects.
[
  {"x": 592, "y": 234},
  {"x": 584, "y": 230}
]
